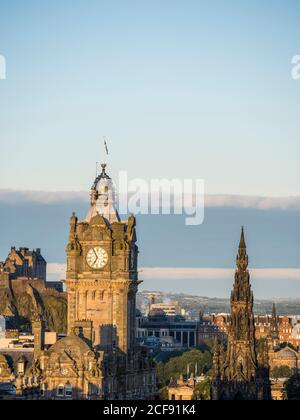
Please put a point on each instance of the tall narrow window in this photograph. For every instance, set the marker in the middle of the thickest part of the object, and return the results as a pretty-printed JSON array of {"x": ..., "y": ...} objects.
[
  {"x": 60, "y": 391},
  {"x": 68, "y": 390}
]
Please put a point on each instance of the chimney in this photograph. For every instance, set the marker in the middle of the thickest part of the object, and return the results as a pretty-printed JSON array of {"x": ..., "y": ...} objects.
[{"x": 38, "y": 330}]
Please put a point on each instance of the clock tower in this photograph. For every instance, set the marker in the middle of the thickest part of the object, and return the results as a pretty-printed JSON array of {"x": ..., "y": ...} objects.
[{"x": 102, "y": 278}]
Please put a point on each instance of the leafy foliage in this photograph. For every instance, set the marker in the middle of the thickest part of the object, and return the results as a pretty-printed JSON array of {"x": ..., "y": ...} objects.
[
  {"x": 177, "y": 366},
  {"x": 202, "y": 390},
  {"x": 163, "y": 394},
  {"x": 281, "y": 372},
  {"x": 292, "y": 388}
]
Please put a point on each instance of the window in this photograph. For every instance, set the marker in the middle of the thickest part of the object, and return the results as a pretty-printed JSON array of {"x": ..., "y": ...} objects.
[
  {"x": 60, "y": 391},
  {"x": 69, "y": 390},
  {"x": 21, "y": 368},
  {"x": 43, "y": 390}
]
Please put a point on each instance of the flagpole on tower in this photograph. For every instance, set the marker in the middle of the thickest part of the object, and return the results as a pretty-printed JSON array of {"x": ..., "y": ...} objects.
[{"x": 105, "y": 149}]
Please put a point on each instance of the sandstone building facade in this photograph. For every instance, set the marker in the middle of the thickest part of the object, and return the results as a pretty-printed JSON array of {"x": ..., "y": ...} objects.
[
  {"x": 99, "y": 358},
  {"x": 23, "y": 263}
]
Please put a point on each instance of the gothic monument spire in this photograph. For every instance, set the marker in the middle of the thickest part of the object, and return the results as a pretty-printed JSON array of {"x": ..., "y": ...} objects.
[{"x": 237, "y": 376}]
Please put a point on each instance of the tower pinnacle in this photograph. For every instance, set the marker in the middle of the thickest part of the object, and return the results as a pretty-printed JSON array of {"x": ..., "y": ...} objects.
[
  {"x": 242, "y": 257},
  {"x": 242, "y": 240}
]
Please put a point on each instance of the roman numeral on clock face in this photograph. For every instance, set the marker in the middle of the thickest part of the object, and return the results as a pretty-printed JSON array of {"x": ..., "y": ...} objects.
[{"x": 97, "y": 258}]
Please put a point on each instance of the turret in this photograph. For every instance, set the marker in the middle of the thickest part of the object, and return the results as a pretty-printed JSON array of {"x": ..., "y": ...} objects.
[
  {"x": 273, "y": 338},
  {"x": 103, "y": 198}
]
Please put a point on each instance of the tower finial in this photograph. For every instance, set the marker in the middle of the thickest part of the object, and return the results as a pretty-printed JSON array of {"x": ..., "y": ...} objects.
[
  {"x": 242, "y": 257},
  {"x": 242, "y": 240}
]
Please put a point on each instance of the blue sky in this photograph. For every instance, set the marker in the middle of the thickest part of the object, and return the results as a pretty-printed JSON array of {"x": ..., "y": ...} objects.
[
  {"x": 200, "y": 88},
  {"x": 181, "y": 88}
]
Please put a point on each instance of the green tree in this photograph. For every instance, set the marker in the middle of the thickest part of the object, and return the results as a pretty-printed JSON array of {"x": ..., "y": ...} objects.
[
  {"x": 281, "y": 372},
  {"x": 292, "y": 388},
  {"x": 163, "y": 394},
  {"x": 190, "y": 360},
  {"x": 202, "y": 390}
]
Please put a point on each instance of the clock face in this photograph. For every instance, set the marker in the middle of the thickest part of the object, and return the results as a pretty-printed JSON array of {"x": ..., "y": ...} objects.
[
  {"x": 64, "y": 371},
  {"x": 97, "y": 258}
]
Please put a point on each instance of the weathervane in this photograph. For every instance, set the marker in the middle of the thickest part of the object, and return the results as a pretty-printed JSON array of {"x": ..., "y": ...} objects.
[
  {"x": 105, "y": 154},
  {"x": 105, "y": 146}
]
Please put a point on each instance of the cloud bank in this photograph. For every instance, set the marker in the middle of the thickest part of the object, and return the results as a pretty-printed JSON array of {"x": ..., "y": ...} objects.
[
  {"x": 201, "y": 274},
  {"x": 212, "y": 201}
]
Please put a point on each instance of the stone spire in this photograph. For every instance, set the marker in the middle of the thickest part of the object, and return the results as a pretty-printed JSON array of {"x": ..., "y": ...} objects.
[
  {"x": 274, "y": 321},
  {"x": 237, "y": 374},
  {"x": 242, "y": 358},
  {"x": 242, "y": 257},
  {"x": 274, "y": 330},
  {"x": 242, "y": 289},
  {"x": 103, "y": 198}
]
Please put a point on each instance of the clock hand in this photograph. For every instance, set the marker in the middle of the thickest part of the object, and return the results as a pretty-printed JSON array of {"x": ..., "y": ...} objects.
[{"x": 96, "y": 255}]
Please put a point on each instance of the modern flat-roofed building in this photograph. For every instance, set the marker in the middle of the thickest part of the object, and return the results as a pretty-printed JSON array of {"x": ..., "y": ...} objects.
[{"x": 183, "y": 332}]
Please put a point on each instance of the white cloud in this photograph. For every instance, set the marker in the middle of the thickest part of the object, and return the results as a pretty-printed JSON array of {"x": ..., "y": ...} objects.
[
  {"x": 188, "y": 273},
  {"x": 42, "y": 197},
  {"x": 237, "y": 201},
  {"x": 217, "y": 273},
  {"x": 54, "y": 268},
  {"x": 261, "y": 203}
]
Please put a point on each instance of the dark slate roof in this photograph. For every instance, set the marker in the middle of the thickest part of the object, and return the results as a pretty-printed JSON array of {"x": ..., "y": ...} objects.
[{"x": 13, "y": 356}]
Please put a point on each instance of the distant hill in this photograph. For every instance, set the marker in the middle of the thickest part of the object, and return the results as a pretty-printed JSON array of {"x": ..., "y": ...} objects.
[{"x": 209, "y": 305}]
